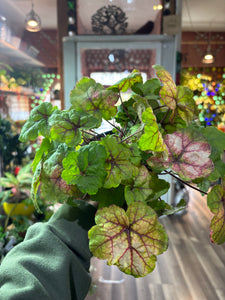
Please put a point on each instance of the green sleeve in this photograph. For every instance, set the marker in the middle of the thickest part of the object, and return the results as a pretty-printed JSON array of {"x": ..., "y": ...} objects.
[{"x": 53, "y": 260}]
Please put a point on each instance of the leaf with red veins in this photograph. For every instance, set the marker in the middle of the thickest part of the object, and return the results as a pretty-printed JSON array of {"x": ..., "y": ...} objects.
[
  {"x": 188, "y": 155},
  {"x": 37, "y": 124},
  {"x": 124, "y": 84},
  {"x": 186, "y": 107},
  {"x": 118, "y": 163},
  {"x": 55, "y": 189},
  {"x": 131, "y": 240},
  {"x": 91, "y": 97},
  {"x": 168, "y": 92},
  {"x": 216, "y": 203},
  {"x": 141, "y": 188},
  {"x": 66, "y": 126},
  {"x": 152, "y": 138}
]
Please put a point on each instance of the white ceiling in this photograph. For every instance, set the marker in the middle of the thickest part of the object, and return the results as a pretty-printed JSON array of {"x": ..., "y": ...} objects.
[
  {"x": 197, "y": 15},
  {"x": 203, "y": 15}
]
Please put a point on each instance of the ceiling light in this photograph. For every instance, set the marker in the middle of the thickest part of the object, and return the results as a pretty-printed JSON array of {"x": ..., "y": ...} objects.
[
  {"x": 208, "y": 57},
  {"x": 157, "y": 7},
  {"x": 32, "y": 21},
  {"x": 3, "y": 18}
]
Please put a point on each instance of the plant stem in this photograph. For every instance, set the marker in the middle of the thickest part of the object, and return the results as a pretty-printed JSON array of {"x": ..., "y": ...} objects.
[
  {"x": 166, "y": 114},
  {"x": 126, "y": 111},
  {"x": 136, "y": 120},
  {"x": 90, "y": 133},
  {"x": 158, "y": 107},
  {"x": 130, "y": 136},
  {"x": 86, "y": 140},
  {"x": 93, "y": 131},
  {"x": 124, "y": 130},
  {"x": 84, "y": 196},
  {"x": 114, "y": 126},
  {"x": 184, "y": 182}
]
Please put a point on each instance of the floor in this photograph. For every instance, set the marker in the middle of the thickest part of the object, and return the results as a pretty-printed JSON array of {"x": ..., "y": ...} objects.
[{"x": 191, "y": 269}]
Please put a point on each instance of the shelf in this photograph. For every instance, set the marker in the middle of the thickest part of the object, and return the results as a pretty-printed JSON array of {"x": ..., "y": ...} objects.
[
  {"x": 17, "y": 56},
  {"x": 17, "y": 91}
]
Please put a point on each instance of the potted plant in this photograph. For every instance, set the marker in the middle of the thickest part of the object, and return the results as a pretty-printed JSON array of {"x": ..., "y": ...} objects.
[
  {"x": 156, "y": 133},
  {"x": 15, "y": 198}
]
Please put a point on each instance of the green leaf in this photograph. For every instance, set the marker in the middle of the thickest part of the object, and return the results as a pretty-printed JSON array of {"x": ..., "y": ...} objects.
[
  {"x": 168, "y": 92},
  {"x": 170, "y": 126},
  {"x": 85, "y": 168},
  {"x": 159, "y": 206},
  {"x": 181, "y": 205},
  {"x": 4, "y": 197},
  {"x": 135, "y": 157},
  {"x": 218, "y": 172},
  {"x": 66, "y": 126},
  {"x": 148, "y": 89},
  {"x": 186, "y": 107},
  {"x": 152, "y": 138},
  {"x": 145, "y": 186},
  {"x": 45, "y": 146},
  {"x": 140, "y": 105},
  {"x": 53, "y": 187},
  {"x": 188, "y": 155},
  {"x": 203, "y": 184},
  {"x": 35, "y": 185},
  {"x": 140, "y": 188},
  {"x": 70, "y": 165},
  {"x": 9, "y": 180},
  {"x": 125, "y": 113},
  {"x": 159, "y": 186},
  {"x": 92, "y": 98},
  {"x": 24, "y": 176},
  {"x": 131, "y": 240},
  {"x": 164, "y": 209},
  {"x": 37, "y": 124},
  {"x": 216, "y": 203},
  {"x": 118, "y": 164},
  {"x": 107, "y": 197},
  {"x": 124, "y": 84},
  {"x": 215, "y": 138}
]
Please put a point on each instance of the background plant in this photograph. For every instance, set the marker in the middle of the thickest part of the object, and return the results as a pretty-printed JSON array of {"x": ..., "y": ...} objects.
[
  {"x": 16, "y": 208},
  {"x": 13, "y": 152},
  {"x": 15, "y": 77},
  {"x": 155, "y": 134}
]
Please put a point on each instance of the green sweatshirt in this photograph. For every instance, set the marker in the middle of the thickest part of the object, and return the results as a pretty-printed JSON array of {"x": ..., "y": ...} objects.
[{"x": 53, "y": 260}]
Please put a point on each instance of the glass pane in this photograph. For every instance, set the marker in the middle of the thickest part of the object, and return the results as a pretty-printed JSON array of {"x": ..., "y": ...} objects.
[
  {"x": 108, "y": 66},
  {"x": 119, "y": 17}
]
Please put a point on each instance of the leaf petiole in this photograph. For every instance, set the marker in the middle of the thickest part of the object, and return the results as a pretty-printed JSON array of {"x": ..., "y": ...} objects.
[{"x": 184, "y": 182}]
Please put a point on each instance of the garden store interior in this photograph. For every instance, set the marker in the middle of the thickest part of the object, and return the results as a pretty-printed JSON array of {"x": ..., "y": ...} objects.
[{"x": 42, "y": 62}]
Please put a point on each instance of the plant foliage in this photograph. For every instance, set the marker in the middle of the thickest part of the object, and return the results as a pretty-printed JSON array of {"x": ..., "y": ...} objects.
[{"x": 155, "y": 134}]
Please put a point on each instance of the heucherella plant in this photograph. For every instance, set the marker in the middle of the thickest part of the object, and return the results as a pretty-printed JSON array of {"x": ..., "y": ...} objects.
[{"x": 155, "y": 132}]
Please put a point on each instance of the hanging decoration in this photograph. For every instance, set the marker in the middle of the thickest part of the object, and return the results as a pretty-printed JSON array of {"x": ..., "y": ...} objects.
[
  {"x": 113, "y": 17},
  {"x": 33, "y": 21},
  {"x": 109, "y": 19}
]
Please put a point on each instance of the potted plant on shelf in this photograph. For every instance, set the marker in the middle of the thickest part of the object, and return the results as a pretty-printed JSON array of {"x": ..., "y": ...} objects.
[{"x": 156, "y": 133}]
